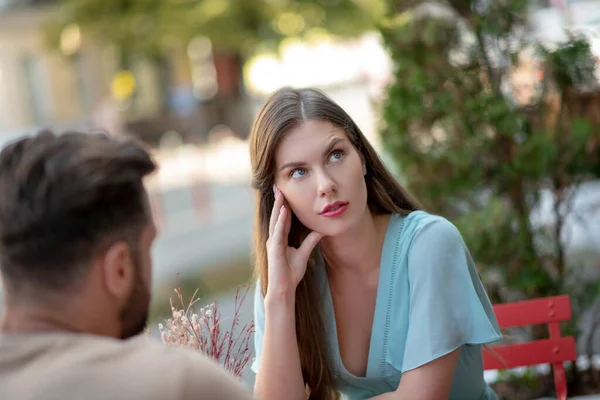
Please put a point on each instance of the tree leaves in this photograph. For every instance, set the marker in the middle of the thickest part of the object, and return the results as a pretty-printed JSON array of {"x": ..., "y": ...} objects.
[
  {"x": 150, "y": 27},
  {"x": 470, "y": 150}
]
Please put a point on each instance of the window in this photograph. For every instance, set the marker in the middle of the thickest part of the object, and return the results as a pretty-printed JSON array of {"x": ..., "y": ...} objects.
[
  {"x": 82, "y": 84},
  {"x": 35, "y": 86},
  {"x": 540, "y": 4}
]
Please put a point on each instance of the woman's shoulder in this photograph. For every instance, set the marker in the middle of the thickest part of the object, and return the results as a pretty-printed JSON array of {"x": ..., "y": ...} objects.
[
  {"x": 419, "y": 237},
  {"x": 423, "y": 226}
]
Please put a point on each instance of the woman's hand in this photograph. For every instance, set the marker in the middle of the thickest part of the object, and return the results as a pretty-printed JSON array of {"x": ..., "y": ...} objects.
[{"x": 287, "y": 264}]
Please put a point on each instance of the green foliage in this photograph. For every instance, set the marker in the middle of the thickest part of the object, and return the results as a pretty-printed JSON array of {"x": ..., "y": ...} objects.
[
  {"x": 472, "y": 149},
  {"x": 151, "y": 27},
  {"x": 210, "y": 282},
  {"x": 571, "y": 64},
  {"x": 528, "y": 377}
]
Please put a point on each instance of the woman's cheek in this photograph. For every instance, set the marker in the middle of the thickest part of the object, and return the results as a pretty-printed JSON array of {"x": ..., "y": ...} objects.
[{"x": 302, "y": 209}]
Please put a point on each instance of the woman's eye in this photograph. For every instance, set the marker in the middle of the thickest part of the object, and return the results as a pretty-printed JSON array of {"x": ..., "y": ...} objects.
[
  {"x": 298, "y": 173},
  {"x": 336, "y": 155}
]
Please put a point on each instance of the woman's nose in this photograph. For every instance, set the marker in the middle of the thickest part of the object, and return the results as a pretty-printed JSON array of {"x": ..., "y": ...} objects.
[{"x": 326, "y": 185}]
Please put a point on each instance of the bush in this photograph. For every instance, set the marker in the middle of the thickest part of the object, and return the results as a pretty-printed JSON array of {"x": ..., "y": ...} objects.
[{"x": 489, "y": 128}]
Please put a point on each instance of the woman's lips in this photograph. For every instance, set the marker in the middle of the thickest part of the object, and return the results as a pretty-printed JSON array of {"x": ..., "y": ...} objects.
[{"x": 335, "y": 209}]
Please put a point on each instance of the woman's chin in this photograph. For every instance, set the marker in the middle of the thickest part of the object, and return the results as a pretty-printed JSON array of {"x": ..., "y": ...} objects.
[
  {"x": 331, "y": 229},
  {"x": 331, "y": 233}
]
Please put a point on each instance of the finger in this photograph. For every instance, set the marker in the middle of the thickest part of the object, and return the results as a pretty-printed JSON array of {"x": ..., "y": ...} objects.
[
  {"x": 275, "y": 212},
  {"x": 279, "y": 233},
  {"x": 288, "y": 219},
  {"x": 309, "y": 244}
]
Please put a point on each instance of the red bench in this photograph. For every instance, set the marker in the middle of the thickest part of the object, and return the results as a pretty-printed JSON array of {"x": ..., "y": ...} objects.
[{"x": 555, "y": 350}]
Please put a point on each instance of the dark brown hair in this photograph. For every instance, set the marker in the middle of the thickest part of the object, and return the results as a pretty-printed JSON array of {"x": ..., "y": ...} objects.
[
  {"x": 282, "y": 112},
  {"x": 63, "y": 197}
]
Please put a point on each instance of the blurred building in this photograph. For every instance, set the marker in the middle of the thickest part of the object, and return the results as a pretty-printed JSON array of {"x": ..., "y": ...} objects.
[
  {"x": 552, "y": 19},
  {"x": 37, "y": 87},
  {"x": 75, "y": 85}
]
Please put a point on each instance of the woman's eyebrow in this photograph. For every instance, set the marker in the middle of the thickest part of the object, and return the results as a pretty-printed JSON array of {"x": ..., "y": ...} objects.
[
  {"x": 332, "y": 144},
  {"x": 291, "y": 164},
  {"x": 330, "y": 147}
]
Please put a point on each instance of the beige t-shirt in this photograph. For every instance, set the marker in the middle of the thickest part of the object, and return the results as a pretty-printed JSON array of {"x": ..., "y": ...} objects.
[{"x": 63, "y": 366}]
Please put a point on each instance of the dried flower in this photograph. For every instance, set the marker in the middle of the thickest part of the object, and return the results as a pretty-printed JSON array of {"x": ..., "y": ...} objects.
[{"x": 202, "y": 331}]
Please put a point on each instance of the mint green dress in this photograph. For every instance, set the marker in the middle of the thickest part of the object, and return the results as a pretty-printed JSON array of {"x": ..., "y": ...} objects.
[{"x": 430, "y": 302}]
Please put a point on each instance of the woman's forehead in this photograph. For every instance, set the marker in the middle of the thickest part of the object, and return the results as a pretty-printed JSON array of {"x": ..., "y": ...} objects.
[{"x": 305, "y": 139}]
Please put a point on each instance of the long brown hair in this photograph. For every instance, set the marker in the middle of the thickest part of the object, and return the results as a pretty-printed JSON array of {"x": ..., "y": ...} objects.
[{"x": 283, "y": 111}]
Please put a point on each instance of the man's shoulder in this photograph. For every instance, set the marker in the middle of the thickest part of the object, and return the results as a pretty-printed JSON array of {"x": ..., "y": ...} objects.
[
  {"x": 200, "y": 374},
  {"x": 142, "y": 368},
  {"x": 141, "y": 353},
  {"x": 143, "y": 348}
]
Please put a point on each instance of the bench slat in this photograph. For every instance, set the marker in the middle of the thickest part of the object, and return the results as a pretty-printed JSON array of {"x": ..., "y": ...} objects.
[
  {"x": 533, "y": 312},
  {"x": 530, "y": 353}
]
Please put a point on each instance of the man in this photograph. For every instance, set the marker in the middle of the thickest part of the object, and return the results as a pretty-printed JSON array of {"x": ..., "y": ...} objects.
[{"x": 75, "y": 236}]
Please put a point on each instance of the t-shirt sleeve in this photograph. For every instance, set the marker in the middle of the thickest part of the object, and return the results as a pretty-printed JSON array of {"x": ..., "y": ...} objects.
[
  {"x": 448, "y": 303},
  {"x": 205, "y": 379},
  {"x": 259, "y": 325}
]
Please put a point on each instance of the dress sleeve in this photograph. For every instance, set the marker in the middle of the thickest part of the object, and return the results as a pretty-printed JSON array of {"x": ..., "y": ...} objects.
[
  {"x": 448, "y": 303},
  {"x": 259, "y": 325}
]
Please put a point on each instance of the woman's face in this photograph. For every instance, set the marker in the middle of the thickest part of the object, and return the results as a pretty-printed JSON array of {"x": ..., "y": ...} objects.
[{"x": 321, "y": 175}]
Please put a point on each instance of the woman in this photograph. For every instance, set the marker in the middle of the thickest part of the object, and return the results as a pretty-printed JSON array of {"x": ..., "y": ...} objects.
[{"x": 356, "y": 287}]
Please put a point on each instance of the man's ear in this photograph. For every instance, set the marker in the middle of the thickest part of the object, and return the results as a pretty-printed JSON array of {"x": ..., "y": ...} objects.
[{"x": 118, "y": 271}]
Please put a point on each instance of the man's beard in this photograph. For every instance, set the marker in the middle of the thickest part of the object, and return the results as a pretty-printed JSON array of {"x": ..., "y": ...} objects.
[{"x": 134, "y": 316}]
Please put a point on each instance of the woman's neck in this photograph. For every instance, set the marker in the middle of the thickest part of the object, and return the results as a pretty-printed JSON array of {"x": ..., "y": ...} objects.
[{"x": 358, "y": 250}]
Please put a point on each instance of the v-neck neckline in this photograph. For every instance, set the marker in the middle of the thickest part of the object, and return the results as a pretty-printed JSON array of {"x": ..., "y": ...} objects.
[{"x": 376, "y": 341}]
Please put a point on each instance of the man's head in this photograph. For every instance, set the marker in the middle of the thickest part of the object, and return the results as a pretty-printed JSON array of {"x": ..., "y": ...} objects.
[{"x": 76, "y": 230}]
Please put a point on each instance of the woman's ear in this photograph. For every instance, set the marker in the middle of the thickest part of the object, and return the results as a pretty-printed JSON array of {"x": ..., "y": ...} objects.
[{"x": 363, "y": 162}]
